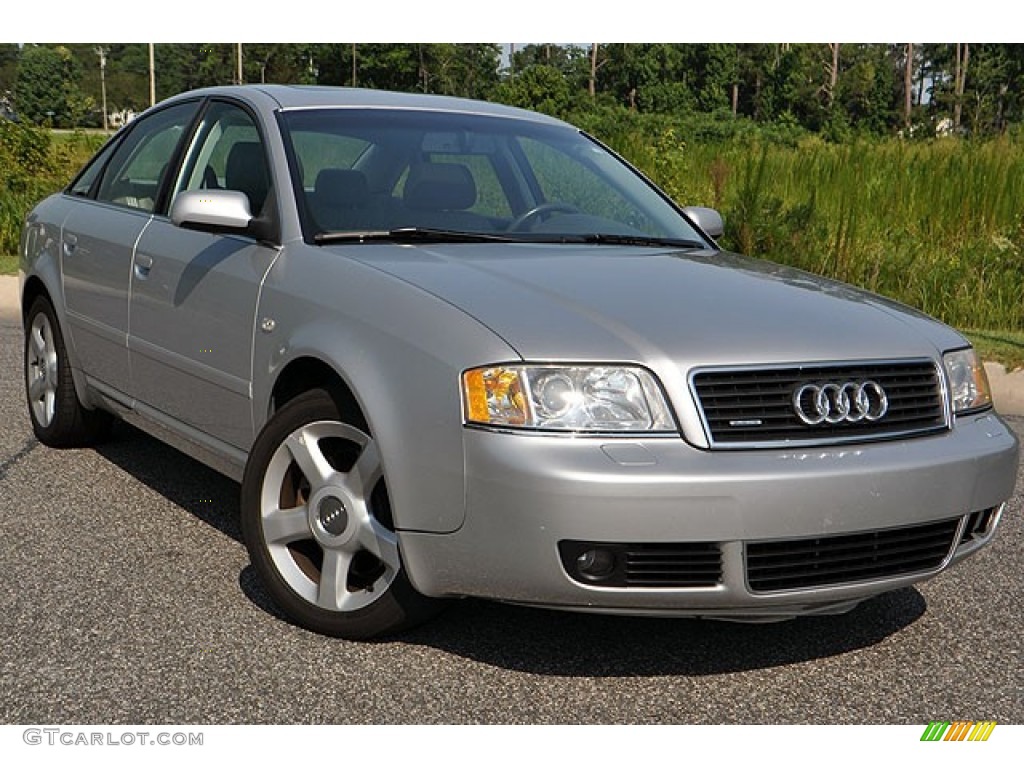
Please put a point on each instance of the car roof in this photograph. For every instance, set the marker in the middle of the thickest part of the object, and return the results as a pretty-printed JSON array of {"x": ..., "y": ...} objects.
[{"x": 295, "y": 97}]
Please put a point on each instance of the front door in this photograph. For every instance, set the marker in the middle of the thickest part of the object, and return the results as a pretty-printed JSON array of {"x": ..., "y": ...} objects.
[{"x": 194, "y": 294}]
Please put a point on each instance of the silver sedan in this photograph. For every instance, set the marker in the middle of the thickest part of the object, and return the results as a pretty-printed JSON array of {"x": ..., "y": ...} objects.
[{"x": 451, "y": 348}]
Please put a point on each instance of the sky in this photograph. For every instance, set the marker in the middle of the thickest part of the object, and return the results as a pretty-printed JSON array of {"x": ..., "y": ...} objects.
[{"x": 535, "y": 20}]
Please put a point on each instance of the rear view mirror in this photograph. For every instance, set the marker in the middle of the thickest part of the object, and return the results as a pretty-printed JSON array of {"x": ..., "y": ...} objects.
[
  {"x": 708, "y": 219},
  {"x": 212, "y": 210}
]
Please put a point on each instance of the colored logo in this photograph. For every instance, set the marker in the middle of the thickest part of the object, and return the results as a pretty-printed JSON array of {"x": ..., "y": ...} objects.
[{"x": 958, "y": 730}]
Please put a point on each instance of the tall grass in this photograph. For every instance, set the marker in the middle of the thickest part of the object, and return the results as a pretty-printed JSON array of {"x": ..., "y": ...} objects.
[{"x": 936, "y": 225}]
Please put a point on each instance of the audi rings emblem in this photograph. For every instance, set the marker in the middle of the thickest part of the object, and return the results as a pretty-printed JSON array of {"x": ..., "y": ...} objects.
[{"x": 831, "y": 403}]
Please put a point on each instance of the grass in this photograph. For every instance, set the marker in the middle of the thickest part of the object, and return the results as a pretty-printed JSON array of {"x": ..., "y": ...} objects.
[
  {"x": 936, "y": 225},
  {"x": 1006, "y": 347}
]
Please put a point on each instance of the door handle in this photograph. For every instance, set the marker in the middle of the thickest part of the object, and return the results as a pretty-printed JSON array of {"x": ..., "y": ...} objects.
[
  {"x": 143, "y": 264},
  {"x": 70, "y": 243}
]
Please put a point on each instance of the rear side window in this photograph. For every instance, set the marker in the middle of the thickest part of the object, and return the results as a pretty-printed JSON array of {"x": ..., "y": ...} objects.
[
  {"x": 82, "y": 186},
  {"x": 133, "y": 175}
]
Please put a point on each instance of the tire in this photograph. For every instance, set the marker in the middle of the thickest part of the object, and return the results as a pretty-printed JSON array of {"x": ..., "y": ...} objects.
[
  {"x": 317, "y": 523},
  {"x": 58, "y": 417}
]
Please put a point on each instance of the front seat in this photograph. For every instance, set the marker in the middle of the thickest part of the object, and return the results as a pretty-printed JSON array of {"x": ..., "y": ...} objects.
[
  {"x": 440, "y": 194},
  {"x": 340, "y": 200},
  {"x": 246, "y": 171}
]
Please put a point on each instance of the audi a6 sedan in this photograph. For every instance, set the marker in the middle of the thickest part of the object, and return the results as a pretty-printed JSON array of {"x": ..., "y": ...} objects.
[{"x": 451, "y": 348}]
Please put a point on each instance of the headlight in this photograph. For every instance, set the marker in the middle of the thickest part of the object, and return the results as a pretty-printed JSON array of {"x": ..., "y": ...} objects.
[
  {"x": 968, "y": 383},
  {"x": 572, "y": 398}
]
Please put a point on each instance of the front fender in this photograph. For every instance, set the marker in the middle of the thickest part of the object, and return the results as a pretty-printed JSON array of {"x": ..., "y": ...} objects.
[{"x": 401, "y": 352}]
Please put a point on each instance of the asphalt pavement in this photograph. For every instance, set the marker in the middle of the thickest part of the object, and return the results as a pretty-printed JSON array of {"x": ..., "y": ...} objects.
[{"x": 127, "y": 597}]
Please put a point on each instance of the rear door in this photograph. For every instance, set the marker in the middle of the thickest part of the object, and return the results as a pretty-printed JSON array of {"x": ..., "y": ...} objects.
[{"x": 99, "y": 236}]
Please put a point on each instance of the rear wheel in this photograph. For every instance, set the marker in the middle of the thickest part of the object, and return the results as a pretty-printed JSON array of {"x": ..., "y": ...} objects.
[
  {"x": 58, "y": 417},
  {"x": 317, "y": 523}
]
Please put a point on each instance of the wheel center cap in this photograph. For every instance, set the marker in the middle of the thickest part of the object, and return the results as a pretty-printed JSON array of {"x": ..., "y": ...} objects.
[{"x": 332, "y": 515}]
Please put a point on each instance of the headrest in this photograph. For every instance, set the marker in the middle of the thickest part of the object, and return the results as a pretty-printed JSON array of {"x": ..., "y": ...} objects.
[
  {"x": 341, "y": 187},
  {"x": 439, "y": 187},
  {"x": 245, "y": 156},
  {"x": 246, "y": 171}
]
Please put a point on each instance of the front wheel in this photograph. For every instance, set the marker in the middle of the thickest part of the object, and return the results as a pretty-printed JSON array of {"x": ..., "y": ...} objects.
[{"x": 317, "y": 523}]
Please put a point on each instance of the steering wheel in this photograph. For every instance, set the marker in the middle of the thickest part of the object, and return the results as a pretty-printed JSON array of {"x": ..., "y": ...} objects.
[{"x": 524, "y": 221}]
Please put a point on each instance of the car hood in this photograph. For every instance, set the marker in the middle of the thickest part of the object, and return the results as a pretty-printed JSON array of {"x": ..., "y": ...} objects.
[{"x": 649, "y": 305}]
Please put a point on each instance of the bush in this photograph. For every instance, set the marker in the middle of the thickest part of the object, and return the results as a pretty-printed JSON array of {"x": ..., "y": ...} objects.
[{"x": 34, "y": 166}]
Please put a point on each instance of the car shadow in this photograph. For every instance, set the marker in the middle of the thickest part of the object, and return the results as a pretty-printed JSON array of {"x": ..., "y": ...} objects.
[
  {"x": 555, "y": 643},
  {"x": 535, "y": 640},
  {"x": 199, "y": 490},
  {"x": 204, "y": 262},
  {"x": 560, "y": 644}
]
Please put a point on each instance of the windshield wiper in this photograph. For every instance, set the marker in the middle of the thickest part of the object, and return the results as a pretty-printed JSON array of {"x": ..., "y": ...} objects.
[
  {"x": 643, "y": 240},
  {"x": 433, "y": 235},
  {"x": 410, "y": 235}
]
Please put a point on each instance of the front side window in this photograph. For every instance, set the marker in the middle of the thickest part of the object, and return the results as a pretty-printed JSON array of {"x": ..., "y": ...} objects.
[
  {"x": 227, "y": 153},
  {"x": 133, "y": 176}
]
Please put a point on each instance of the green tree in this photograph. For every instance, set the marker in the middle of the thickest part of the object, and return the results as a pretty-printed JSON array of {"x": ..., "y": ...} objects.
[
  {"x": 465, "y": 69},
  {"x": 540, "y": 88},
  {"x": 393, "y": 67},
  {"x": 457, "y": 69},
  {"x": 9, "y": 54},
  {"x": 45, "y": 90},
  {"x": 870, "y": 87},
  {"x": 668, "y": 81},
  {"x": 796, "y": 84},
  {"x": 626, "y": 69},
  {"x": 753, "y": 63},
  {"x": 718, "y": 74},
  {"x": 992, "y": 89},
  {"x": 544, "y": 54}
]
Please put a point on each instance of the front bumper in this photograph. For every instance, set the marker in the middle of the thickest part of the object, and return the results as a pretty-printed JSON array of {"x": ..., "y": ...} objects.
[{"x": 528, "y": 493}]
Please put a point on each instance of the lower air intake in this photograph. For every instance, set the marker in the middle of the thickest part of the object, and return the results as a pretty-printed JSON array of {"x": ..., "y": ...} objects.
[{"x": 815, "y": 562}]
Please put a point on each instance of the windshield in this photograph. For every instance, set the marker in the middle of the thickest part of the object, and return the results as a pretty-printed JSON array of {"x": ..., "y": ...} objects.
[{"x": 375, "y": 171}]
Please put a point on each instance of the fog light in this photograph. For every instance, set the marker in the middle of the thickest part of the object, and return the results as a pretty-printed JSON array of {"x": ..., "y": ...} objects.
[{"x": 596, "y": 564}]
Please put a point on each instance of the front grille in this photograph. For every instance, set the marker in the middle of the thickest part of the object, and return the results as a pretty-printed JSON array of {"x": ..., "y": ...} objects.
[
  {"x": 645, "y": 565},
  {"x": 754, "y": 407},
  {"x": 803, "y": 563}
]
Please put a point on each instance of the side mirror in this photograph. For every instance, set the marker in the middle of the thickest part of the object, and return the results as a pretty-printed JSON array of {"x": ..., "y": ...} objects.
[
  {"x": 212, "y": 210},
  {"x": 708, "y": 219}
]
